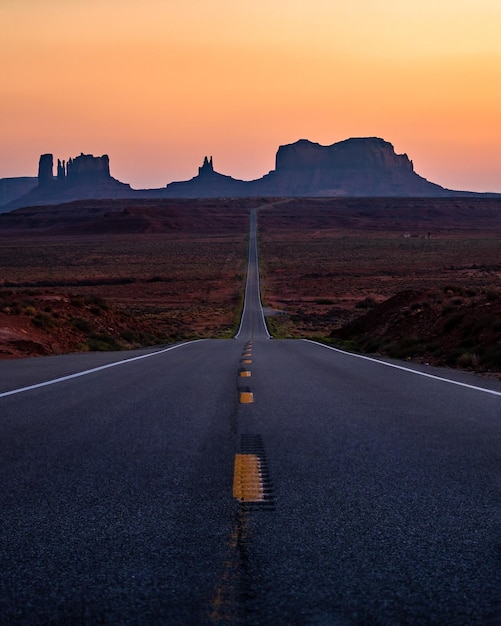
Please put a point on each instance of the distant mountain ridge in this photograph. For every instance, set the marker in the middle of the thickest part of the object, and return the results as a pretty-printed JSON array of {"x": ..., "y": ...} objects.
[
  {"x": 13, "y": 188},
  {"x": 358, "y": 167}
]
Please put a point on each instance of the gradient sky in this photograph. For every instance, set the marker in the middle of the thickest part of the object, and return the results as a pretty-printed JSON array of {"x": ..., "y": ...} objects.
[{"x": 158, "y": 84}]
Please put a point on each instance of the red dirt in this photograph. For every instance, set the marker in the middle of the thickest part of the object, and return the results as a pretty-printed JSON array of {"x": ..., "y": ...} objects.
[
  {"x": 101, "y": 274},
  {"x": 163, "y": 271},
  {"x": 327, "y": 262}
]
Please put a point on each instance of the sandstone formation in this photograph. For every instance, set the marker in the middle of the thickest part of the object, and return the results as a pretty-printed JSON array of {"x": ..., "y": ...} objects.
[
  {"x": 83, "y": 168},
  {"x": 207, "y": 167},
  {"x": 365, "y": 166},
  {"x": 82, "y": 177},
  {"x": 45, "y": 170},
  {"x": 88, "y": 168},
  {"x": 208, "y": 184},
  {"x": 357, "y": 167}
]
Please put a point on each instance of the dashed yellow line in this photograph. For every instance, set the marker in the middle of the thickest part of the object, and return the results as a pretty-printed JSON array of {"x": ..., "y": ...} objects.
[
  {"x": 247, "y": 481},
  {"x": 246, "y": 397}
]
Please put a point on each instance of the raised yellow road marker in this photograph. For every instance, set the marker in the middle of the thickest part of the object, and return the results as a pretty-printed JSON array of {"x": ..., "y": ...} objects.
[
  {"x": 247, "y": 481},
  {"x": 246, "y": 361},
  {"x": 246, "y": 397},
  {"x": 244, "y": 373}
]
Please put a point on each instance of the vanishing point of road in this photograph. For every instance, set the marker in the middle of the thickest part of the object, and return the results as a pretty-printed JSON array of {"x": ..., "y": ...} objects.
[{"x": 248, "y": 481}]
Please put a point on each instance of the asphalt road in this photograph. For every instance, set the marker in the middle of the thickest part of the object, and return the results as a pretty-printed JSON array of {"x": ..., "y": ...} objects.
[{"x": 368, "y": 492}]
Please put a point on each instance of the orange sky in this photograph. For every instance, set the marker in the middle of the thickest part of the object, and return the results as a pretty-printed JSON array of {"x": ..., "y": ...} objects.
[{"x": 158, "y": 84}]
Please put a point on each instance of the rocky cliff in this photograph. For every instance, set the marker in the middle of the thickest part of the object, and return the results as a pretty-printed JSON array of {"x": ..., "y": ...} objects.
[
  {"x": 365, "y": 166},
  {"x": 86, "y": 168},
  {"x": 45, "y": 171},
  {"x": 208, "y": 184},
  {"x": 82, "y": 177}
]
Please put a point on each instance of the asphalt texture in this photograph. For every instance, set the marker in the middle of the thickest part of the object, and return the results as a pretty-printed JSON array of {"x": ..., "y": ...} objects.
[{"x": 383, "y": 485}]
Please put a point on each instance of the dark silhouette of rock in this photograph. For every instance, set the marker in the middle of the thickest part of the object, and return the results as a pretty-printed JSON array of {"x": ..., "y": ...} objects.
[
  {"x": 12, "y": 188},
  {"x": 357, "y": 167},
  {"x": 82, "y": 177},
  {"x": 208, "y": 184},
  {"x": 365, "y": 166},
  {"x": 207, "y": 167},
  {"x": 45, "y": 170},
  {"x": 61, "y": 170},
  {"x": 87, "y": 167}
]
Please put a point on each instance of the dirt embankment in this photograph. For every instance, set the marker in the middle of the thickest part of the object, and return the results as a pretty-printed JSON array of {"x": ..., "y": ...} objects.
[
  {"x": 34, "y": 324},
  {"x": 453, "y": 326},
  {"x": 410, "y": 278}
]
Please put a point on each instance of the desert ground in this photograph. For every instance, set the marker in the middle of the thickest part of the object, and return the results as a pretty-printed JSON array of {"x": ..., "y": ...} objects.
[
  {"x": 116, "y": 275},
  {"x": 410, "y": 278}
]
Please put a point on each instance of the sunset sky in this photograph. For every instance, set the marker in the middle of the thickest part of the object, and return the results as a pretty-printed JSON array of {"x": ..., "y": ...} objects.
[{"x": 158, "y": 84}]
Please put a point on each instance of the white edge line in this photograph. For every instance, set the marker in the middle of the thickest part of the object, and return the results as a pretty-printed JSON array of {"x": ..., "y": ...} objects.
[
  {"x": 94, "y": 369},
  {"x": 246, "y": 287},
  {"x": 265, "y": 325},
  {"x": 245, "y": 303},
  {"x": 406, "y": 369}
]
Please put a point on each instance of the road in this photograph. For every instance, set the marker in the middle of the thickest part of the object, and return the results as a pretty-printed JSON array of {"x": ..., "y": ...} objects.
[{"x": 248, "y": 481}]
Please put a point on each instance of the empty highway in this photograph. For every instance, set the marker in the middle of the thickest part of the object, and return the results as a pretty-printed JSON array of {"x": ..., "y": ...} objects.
[{"x": 248, "y": 481}]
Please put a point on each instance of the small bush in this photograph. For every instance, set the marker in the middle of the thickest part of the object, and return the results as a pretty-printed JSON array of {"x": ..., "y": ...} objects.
[
  {"x": 406, "y": 347},
  {"x": 101, "y": 342},
  {"x": 453, "y": 289},
  {"x": 97, "y": 302},
  {"x": 468, "y": 359},
  {"x": 42, "y": 320},
  {"x": 492, "y": 294},
  {"x": 453, "y": 356},
  {"x": 84, "y": 326},
  {"x": 452, "y": 322},
  {"x": 416, "y": 306},
  {"x": 491, "y": 359},
  {"x": 371, "y": 345},
  {"x": 324, "y": 301},
  {"x": 366, "y": 303},
  {"x": 77, "y": 302}
]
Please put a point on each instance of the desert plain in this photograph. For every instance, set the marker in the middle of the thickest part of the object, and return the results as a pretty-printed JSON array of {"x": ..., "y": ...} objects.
[{"x": 409, "y": 278}]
